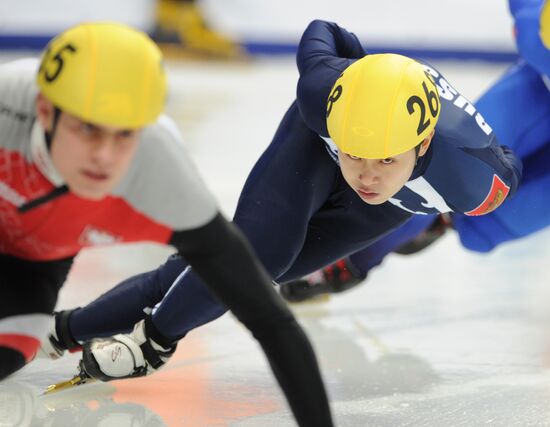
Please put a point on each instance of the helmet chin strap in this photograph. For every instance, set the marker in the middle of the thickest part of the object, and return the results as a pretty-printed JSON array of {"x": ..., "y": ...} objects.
[
  {"x": 57, "y": 191},
  {"x": 48, "y": 136}
]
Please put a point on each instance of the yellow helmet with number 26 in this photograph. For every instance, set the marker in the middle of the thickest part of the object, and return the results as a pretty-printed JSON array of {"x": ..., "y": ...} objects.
[
  {"x": 104, "y": 73},
  {"x": 381, "y": 106}
]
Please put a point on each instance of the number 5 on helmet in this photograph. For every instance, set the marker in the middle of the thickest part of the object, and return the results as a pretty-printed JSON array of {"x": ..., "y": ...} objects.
[{"x": 83, "y": 73}]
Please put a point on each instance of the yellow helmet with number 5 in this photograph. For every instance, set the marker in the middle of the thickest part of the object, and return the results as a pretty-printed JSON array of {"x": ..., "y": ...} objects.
[
  {"x": 104, "y": 73},
  {"x": 381, "y": 106}
]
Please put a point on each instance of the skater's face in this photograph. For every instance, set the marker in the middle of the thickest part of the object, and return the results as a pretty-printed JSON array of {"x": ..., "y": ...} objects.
[
  {"x": 377, "y": 180},
  {"x": 92, "y": 159}
]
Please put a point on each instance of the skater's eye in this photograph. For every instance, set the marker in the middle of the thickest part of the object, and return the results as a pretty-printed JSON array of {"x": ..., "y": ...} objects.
[
  {"x": 353, "y": 157},
  {"x": 124, "y": 135},
  {"x": 387, "y": 161},
  {"x": 89, "y": 129}
]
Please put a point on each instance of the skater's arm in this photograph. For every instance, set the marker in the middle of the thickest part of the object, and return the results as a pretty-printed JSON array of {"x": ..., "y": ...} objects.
[
  {"x": 221, "y": 256},
  {"x": 324, "y": 52}
]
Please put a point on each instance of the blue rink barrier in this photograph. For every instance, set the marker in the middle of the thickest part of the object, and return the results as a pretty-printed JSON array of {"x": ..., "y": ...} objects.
[
  {"x": 436, "y": 53},
  {"x": 37, "y": 42},
  {"x": 11, "y": 42}
]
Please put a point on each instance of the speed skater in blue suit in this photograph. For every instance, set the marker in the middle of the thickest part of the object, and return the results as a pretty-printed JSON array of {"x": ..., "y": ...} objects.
[{"x": 518, "y": 108}]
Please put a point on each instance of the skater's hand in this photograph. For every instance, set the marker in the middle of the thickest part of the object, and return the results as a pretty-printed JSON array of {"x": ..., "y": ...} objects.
[
  {"x": 58, "y": 339},
  {"x": 124, "y": 355}
]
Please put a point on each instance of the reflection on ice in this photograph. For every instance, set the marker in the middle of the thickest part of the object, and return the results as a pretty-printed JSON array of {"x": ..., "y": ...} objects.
[{"x": 22, "y": 406}]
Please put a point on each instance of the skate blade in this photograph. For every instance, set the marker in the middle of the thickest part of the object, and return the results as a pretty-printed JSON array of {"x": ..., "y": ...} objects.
[{"x": 79, "y": 379}]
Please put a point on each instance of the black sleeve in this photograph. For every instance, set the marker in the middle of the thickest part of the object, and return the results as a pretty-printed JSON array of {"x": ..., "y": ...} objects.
[{"x": 223, "y": 259}]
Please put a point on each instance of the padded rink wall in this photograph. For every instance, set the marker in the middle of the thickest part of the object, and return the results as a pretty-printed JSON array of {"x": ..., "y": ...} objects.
[{"x": 467, "y": 29}]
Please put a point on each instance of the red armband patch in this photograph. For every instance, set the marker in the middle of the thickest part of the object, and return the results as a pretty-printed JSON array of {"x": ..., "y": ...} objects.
[{"x": 497, "y": 195}]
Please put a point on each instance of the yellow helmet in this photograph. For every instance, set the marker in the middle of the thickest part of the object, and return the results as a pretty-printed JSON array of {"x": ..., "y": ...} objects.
[
  {"x": 381, "y": 106},
  {"x": 545, "y": 24},
  {"x": 105, "y": 73}
]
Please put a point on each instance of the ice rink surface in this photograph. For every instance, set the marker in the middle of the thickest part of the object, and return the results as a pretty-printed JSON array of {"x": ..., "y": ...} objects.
[{"x": 442, "y": 338}]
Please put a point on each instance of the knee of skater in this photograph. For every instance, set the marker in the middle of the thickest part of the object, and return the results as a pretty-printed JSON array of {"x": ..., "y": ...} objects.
[
  {"x": 11, "y": 360},
  {"x": 15, "y": 351}
]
